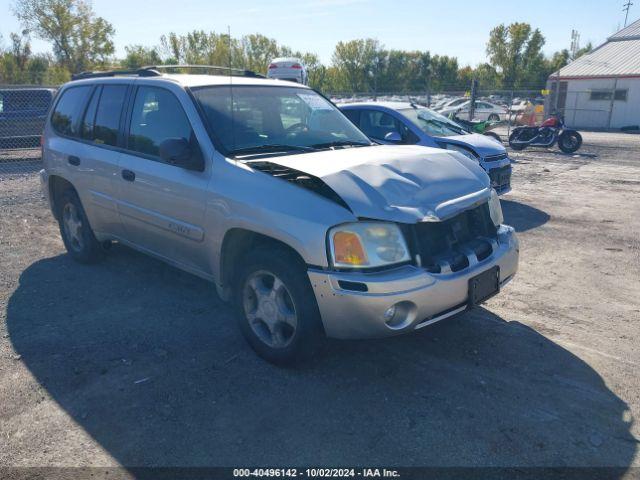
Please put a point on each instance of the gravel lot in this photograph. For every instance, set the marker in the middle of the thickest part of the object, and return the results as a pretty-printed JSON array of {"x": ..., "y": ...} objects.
[{"x": 132, "y": 362}]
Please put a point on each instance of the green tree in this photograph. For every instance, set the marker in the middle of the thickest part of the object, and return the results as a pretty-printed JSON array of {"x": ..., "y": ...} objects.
[
  {"x": 515, "y": 52},
  {"x": 80, "y": 39},
  {"x": 139, "y": 56},
  {"x": 356, "y": 60},
  {"x": 557, "y": 61},
  {"x": 487, "y": 76},
  {"x": 444, "y": 73},
  {"x": 258, "y": 51},
  {"x": 588, "y": 48}
]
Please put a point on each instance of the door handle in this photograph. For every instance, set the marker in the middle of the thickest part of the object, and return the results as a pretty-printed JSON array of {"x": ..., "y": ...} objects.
[
  {"x": 73, "y": 160},
  {"x": 128, "y": 175}
]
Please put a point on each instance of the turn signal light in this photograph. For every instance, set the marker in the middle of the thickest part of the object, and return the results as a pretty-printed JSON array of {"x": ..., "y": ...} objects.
[{"x": 348, "y": 249}]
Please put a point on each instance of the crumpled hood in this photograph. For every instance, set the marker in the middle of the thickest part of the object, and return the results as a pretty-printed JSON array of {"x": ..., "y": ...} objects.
[
  {"x": 397, "y": 183},
  {"x": 482, "y": 144}
]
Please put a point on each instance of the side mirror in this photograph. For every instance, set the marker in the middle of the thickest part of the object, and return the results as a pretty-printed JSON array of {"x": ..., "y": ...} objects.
[
  {"x": 177, "y": 151},
  {"x": 393, "y": 137}
]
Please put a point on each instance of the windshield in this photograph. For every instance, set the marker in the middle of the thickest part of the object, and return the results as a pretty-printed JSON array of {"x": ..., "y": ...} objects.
[
  {"x": 432, "y": 123},
  {"x": 267, "y": 119}
]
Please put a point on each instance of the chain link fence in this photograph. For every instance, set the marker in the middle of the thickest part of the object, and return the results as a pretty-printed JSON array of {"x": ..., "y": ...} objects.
[
  {"x": 23, "y": 109},
  {"x": 598, "y": 108},
  {"x": 502, "y": 109}
]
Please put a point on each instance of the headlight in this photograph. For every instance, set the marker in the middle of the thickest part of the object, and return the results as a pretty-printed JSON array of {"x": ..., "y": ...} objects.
[
  {"x": 465, "y": 151},
  {"x": 367, "y": 245},
  {"x": 495, "y": 210}
]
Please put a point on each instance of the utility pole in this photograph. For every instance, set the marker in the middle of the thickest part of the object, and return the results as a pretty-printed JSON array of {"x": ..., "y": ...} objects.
[
  {"x": 474, "y": 94},
  {"x": 625, "y": 8}
]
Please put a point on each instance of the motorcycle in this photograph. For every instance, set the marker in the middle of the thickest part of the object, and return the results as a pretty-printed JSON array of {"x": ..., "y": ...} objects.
[{"x": 552, "y": 130}]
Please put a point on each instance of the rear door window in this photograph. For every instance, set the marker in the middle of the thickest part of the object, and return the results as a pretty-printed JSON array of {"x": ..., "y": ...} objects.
[
  {"x": 66, "y": 115},
  {"x": 106, "y": 125},
  {"x": 89, "y": 120}
]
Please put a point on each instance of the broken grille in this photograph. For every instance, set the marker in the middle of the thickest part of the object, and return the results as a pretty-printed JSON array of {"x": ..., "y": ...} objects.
[
  {"x": 456, "y": 243},
  {"x": 495, "y": 158},
  {"x": 500, "y": 177}
]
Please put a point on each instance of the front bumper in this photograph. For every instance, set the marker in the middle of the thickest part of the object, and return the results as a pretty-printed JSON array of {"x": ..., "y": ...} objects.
[{"x": 421, "y": 298}]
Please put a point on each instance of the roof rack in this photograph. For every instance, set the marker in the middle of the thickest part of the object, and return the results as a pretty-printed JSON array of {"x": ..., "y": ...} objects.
[
  {"x": 154, "y": 71},
  {"x": 140, "y": 72},
  {"x": 240, "y": 72}
]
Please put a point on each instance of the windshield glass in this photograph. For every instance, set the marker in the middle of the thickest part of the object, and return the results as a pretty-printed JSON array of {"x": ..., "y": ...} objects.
[
  {"x": 275, "y": 119},
  {"x": 432, "y": 123}
]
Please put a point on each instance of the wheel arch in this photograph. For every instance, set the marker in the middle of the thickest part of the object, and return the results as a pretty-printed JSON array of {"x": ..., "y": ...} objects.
[
  {"x": 57, "y": 186},
  {"x": 238, "y": 241}
]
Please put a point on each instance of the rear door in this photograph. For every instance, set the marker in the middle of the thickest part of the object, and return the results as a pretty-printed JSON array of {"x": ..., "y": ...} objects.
[
  {"x": 63, "y": 150},
  {"x": 162, "y": 206},
  {"x": 99, "y": 153}
]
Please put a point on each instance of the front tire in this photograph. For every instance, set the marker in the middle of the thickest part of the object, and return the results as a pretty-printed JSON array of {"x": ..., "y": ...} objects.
[
  {"x": 569, "y": 141},
  {"x": 77, "y": 236},
  {"x": 276, "y": 307}
]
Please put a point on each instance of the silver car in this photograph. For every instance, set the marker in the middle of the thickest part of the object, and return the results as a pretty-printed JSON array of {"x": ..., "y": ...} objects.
[{"x": 267, "y": 190}]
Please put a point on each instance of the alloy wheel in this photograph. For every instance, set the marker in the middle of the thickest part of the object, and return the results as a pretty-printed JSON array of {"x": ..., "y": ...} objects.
[
  {"x": 269, "y": 309},
  {"x": 72, "y": 224}
]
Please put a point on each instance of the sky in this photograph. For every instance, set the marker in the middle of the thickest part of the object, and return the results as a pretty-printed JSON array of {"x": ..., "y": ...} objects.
[{"x": 456, "y": 28}]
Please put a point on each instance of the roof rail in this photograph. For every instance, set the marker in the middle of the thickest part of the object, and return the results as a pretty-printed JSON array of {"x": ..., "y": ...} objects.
[
  {"x": 140, "y": 72},
  {"x": 241, "y": 72},
  {"x": 154, "y": 71}
]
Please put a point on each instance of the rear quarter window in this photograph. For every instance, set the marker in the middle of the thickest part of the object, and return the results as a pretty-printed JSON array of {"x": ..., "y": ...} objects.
[{"x": 66, "y": 114}]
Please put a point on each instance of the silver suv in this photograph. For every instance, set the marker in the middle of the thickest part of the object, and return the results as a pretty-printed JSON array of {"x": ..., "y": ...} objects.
[{"x": 264, "y": 188}]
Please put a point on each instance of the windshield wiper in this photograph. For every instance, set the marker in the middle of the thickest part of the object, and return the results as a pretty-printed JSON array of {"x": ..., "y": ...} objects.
[
  {"x": 269, "y": 148},
  {"x": 341, "y": 143}
]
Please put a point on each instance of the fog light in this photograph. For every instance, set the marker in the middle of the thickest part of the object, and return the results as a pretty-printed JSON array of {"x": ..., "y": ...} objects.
[
  {"x": 400, "y": 315},
  {"x": 390, "y": 313}
]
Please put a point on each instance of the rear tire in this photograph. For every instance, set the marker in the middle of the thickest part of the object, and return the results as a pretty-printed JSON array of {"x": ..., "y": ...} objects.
[
  {"x": 77, "y": 236},
  {"x": 569, "y": 141},
  {"x": 494, "y": 117},
  {"x": 276, "y": 307},
  {"x": 515, "y": 146}
]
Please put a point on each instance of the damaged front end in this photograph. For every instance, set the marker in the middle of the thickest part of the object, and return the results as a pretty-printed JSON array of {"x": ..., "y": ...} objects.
[
  {"x": 304, "y": 180},
  {"x": 427, "y": 240},
  {"x": 455, "y": 243}
]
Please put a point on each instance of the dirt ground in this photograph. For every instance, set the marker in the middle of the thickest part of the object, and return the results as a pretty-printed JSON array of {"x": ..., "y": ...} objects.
[{"x": 132, "y": 362}]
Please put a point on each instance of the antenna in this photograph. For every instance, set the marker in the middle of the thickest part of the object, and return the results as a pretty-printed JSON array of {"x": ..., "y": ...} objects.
[
  {"x": 233, "y": 122},
  {"x": 625, "y": 8},
  {"x": 575, "y": 43}
]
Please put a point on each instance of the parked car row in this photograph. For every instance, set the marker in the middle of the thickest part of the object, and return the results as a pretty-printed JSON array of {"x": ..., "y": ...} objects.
[{"x": 307, "y": 226}]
